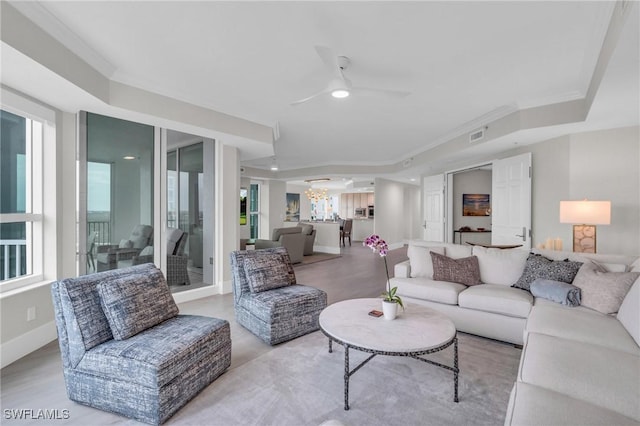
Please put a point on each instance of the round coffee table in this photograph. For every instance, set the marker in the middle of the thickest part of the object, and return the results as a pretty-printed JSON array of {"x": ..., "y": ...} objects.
[{"x": 416, "y": 331}]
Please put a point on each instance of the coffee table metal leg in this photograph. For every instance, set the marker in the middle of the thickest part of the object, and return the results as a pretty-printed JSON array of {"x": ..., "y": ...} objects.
[
  {"x": 346, "y": 377},
  {"x": 455, "y": 369},
  {"x": 330, "y": 346}
]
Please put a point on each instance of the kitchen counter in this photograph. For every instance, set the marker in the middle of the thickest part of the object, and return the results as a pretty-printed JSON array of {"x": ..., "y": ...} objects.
[{"x": 362, "y": 228}]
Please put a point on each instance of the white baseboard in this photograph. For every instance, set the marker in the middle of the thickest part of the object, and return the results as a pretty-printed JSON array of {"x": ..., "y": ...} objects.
[
  {"x": 195, "y": 294},
  {"x": 26, "y": 343}
]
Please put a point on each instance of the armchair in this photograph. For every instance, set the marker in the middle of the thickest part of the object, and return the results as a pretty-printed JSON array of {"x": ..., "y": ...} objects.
[
  {"x": 125, "y": 348},
  {"x": 267, "y": 299},
  {"x": 309, "y": 237},
  {"x": 177, "y": 273},
  {"x": 108, "y": 256},
  {"x": 290, "y": 238}
]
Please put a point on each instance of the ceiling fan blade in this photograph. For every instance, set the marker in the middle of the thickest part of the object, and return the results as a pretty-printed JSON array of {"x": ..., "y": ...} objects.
[
  {"x": 381, "y": 92},
  {"x": 327, "y": 56},
  {"x": 301, "y": 101}
]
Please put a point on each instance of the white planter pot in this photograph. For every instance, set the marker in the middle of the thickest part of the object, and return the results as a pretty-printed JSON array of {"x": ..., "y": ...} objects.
[{"x": 390, "y": 310}]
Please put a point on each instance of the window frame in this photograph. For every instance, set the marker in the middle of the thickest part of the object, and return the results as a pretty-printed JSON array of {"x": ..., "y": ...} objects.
[{"x": 40, "y": 144}]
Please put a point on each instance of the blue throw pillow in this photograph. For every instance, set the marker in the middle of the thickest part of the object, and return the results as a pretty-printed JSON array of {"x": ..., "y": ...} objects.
[
  {"x": 134, "y": 303},
  {"x": 556, "y": 291}
]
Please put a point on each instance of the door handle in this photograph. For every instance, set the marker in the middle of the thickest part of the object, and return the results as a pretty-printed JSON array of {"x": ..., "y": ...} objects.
[{"x": 524, "y": 234}]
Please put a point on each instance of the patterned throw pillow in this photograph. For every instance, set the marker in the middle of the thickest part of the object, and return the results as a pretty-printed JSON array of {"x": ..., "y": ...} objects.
[
  {"x": 266, "y": 272},
  {"x": 135, "y": 303},
  {"x": 538, "y": 266},
  {"x": 464, "y": 271},
  {"x": 601, "y": 290}
]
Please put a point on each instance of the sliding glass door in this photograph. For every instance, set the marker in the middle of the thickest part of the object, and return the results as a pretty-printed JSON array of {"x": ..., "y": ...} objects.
[{"x": 119, "y": 177}]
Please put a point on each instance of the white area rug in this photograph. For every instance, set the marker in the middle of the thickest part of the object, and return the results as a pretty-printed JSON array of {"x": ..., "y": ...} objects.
[{"x": 300, "y": 383}]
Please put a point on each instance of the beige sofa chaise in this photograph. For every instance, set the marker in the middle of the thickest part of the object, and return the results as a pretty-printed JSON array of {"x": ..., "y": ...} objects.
[{"x": 578, "y": 366}]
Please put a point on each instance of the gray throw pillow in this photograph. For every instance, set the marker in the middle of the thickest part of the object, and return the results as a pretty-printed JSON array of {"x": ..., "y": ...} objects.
[
  {"x": 538, "y": 266},
  {"x": 134, "y": 303},
  {"x": 601, "y": 290},
  {"x": 465, "y": 270},
  {"x": 266, "y": 272}
]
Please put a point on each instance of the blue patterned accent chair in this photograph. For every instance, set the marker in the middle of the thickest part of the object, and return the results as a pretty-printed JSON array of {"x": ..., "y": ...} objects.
[
  {"x": 125, "y": 349},
  {"x": 268, "y": 301}
]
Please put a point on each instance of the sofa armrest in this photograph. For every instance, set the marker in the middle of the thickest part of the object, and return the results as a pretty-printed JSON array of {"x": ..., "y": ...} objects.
[{"x": 402, "y": 270}]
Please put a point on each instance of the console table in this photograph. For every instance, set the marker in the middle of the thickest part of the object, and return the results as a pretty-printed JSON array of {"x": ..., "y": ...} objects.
[{"x": 468, "y": 232}]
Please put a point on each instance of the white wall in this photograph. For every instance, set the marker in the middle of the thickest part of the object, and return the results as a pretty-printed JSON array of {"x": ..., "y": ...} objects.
[
  {"x": 227, "y": 208},
  {"x": 602, "y": 165},
  {"x": 272, "y": 206},
  {"x": 397, "y": 211}
]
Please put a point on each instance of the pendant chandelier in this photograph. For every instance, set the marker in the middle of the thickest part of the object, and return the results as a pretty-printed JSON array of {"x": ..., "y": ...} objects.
[{"x": 316, "y": 195}]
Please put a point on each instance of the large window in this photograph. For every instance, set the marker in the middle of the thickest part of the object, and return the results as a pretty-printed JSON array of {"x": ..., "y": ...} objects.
[{"x": 21, "y": 168}]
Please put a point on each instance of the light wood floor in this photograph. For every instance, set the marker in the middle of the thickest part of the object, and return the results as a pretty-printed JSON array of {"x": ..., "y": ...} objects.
[{"x": 36, "y": 382}]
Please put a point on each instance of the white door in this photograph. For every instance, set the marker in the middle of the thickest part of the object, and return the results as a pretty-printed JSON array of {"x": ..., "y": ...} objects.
[
  {"x": 511, "y": 203},
  {"x": 433, "y": 196}
]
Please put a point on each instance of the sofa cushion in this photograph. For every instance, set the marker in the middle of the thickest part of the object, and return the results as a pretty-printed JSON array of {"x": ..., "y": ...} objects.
[
  {"x": 159, "y": 354},
  {"x": 596, "y": 374},
  {"x": 499, "y": 266},
  {"x": 420, "y": 260},
  {"x": 266, "y": 272},
  {"x": 533, "y": 405},
  {"x": 457, "y": 251},
  {"x": 306, "y": 228},
  {"x": 601, "y": 290},
  {"x": 629, "y": 313},
  {"x": 464, "y": 270},
  {"x": 538, "y": 266},
  {"x": 284, "y": 303},
  {"x": 173, "y": 236},
  {"x": 580, "y": 324},
  {"x": 136, "y": 302},
  {"x": 498, "y": 299},
  {"x": 426, "y": 289},
  {"x": 125, "y": 244},
  {"x": 78, "y": 297}
]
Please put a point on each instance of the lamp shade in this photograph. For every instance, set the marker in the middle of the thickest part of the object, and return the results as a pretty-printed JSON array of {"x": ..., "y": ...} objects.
[{"x": 585, "y": 212}]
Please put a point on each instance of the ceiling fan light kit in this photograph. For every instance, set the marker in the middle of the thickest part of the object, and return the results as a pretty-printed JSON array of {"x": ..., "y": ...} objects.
[
  {"x": 340, "y": 93},
  {"x": 339, "y": 86}
]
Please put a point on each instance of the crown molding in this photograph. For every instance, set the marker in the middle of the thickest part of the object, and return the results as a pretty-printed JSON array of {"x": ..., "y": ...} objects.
[{"x": 38, "y": 13}]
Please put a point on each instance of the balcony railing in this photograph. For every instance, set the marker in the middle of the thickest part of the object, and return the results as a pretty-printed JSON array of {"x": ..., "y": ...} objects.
[
  {"x": 13, "y": 258},
  {"x": 103, "y": 230}
]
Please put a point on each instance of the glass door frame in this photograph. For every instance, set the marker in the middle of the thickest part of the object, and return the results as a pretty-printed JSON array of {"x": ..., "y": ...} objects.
[{"x": 81, "y": 195}]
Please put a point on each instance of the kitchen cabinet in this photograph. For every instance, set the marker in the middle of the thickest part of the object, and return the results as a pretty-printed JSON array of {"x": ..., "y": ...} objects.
[{"x": 351, "y": 201}]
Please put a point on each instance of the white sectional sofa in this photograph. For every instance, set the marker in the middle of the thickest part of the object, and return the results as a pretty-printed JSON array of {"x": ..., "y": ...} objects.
[{"x": 578, "y": 366}]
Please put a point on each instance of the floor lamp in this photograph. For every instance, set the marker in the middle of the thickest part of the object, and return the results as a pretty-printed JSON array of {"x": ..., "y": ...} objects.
[{"x": 585, "y": 215}]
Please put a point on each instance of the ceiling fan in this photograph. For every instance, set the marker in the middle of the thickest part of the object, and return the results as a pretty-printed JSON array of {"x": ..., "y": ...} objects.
[{"x": 339, "y": 86}]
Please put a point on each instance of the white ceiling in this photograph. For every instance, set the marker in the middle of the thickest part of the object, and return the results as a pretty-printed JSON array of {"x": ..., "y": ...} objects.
[{"x": 465, "y": 64}]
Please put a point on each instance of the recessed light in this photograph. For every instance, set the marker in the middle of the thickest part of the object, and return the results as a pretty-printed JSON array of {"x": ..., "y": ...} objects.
[{"x": 129, "y": 157}]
